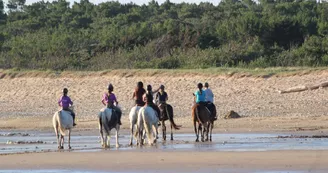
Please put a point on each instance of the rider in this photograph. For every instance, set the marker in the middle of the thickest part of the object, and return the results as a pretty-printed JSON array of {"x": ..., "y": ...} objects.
[
  {"x": 65, "y": 102},
  {"x": 209, "y": 98},
  {"x": 109, "y": 99},
  {"x": 138, "y": 94},
  {"x": 148, "y": 97},
  {"x": 200, "y": 96},
  {"x": 161, "y": 96}
]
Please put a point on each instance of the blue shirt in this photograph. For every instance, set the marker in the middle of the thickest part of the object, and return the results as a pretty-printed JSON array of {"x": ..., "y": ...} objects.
[{"x": 200, "y": 97}]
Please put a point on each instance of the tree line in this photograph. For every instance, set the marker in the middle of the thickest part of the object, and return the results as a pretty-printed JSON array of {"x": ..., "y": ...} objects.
[{"x": 235, "y": 33}]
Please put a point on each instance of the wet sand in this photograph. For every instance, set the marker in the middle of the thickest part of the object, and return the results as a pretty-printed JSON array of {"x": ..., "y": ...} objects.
[{"x": 178, "y": 161}]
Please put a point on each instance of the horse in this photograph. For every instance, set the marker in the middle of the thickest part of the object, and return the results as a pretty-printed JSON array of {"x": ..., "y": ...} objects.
[
  {"x": 133, "y": 117},
  {"x": 167, "y": 114},
  {"x": 108, "y": 121},
  {"x": 62, "y": 121},
  {"x": 146, "y": 123},
  {"x": 201, "y": 115}
]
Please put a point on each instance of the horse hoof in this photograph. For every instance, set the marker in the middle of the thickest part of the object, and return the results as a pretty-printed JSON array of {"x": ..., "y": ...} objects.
[
  {"x": 61, "y": 147},
  {"x": 69, "y": 147},
  {"x": 197, "y": 140},
  {"x": 171, "y": 139},
  {"x": 210, "y": 140}
]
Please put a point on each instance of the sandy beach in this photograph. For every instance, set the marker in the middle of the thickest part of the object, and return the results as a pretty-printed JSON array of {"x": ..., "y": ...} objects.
[{"x": 28, "y": 102}]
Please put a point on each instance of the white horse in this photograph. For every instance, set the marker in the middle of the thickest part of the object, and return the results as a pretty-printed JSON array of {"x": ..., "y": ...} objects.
[
  {"x": 147, "y": 123},
  {"x": 107, "y": 122},
  {"x": 62, "y": 121},
  {"x": 133, "y": 117}
]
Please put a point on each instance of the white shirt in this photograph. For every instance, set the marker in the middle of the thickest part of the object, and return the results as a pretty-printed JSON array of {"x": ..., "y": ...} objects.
[{"x": 209, "y": 95}]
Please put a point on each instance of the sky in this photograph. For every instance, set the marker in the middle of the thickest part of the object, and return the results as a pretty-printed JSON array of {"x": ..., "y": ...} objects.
[{"x": 139, "y": 2}]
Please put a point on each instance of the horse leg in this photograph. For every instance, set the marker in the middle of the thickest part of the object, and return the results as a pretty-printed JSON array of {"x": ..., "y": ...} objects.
[
  {"x": 171, "y": 132},
  {"x": 207, "y": 130},
  {"x": 108, "y": 138},
  {"x": 201, "y": 131},
  {"x": 69, "y": 139},
  {"x": 212, "y": 125},
  {"x": 156, "y": 132},
  {"x": 131, "y": 136},
  {"x": 117, "y": 143},
  {"x": 101, "y": 133},
  {"x": 196, "y": 132},
  {"x": 57, "y": 136},
  {"x": 61, "y": 142},
  {"x": 164, "y": 130}
]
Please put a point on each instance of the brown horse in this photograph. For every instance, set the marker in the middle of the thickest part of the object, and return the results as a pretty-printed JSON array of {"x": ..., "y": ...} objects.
[
  {"x": 201, "y": 115},
  {"x": 167, "y": 114}
]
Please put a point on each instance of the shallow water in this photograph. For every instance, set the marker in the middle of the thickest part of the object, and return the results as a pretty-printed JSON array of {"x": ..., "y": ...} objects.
[{"x": 183, "y": 142}]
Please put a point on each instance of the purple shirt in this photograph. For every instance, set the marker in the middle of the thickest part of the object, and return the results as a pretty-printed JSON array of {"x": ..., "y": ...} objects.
[
  {"x": 65, "y": 101},
  {"x": 111, "y": 98}
]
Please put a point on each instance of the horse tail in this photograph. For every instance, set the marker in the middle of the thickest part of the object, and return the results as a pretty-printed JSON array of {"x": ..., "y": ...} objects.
[
  {"x": 60, "y": 125},
  {"x": 147, "y": 124},
  {"x": 169, "y": 111},
  {"x": 139, "y": 123},
  {"x": 197, "y": 116},
  {"x": 100, "y": 121}
]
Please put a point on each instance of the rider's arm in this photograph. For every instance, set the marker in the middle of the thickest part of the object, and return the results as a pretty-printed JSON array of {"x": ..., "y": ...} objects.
[
  {"x": 59, "y": 101},
  {"x": 155, "y": 91},
  {"x": 70, "y": 101},
  {"x": 104, "y": 100},
  {"x": 134, "y": 94},
  {"x": 115, "y": 100}
]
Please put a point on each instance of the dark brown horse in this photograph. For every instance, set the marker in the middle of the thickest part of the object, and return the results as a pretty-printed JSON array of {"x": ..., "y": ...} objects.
[
  {"x": 201, "y": 115},
  {"x": 167, "y": 114}
]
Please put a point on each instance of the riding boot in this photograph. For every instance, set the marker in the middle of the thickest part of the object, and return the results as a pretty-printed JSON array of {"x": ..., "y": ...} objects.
[
  {"x": 119, "y": 119},
  {"x": 73, "y": 116}
]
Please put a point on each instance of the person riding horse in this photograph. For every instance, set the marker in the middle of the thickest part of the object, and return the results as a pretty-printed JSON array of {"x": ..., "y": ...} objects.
[
  {"x": 109, "y": 99},
  {"x": 65, "y": 102},
  {"x": 138, "y": 94},
  {"x": 161, "y": 98},
  {"x": 149, "y": 99},
  {"x": 209, "y": 99},
  {"x": 200, "y": 98}
]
